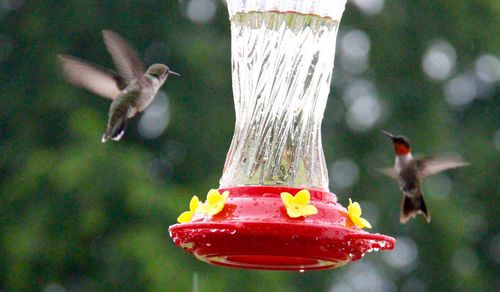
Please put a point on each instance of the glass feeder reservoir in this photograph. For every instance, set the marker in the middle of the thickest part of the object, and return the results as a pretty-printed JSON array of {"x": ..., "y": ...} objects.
[{"x": 282, "y": 61}]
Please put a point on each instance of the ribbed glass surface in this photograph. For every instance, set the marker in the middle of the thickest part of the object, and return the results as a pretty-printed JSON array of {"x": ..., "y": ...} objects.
[{"x": 282, "y": 64}]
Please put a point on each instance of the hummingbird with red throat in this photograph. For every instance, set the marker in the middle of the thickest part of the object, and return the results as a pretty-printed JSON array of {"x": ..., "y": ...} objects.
[{"x": 410, "y": 171}]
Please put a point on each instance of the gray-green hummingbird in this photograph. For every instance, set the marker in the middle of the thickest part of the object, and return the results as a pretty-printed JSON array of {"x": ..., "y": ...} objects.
[
  {"x": 131, "y": 90},
  {"x": 409, "y": 172}
]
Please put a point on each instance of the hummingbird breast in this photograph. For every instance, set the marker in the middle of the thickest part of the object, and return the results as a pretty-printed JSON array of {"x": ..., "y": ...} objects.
[
  {"x": 408, "y": 172},
  {"x": 409, "y": 179},
  {"x": 402, "y": 161},
  {"x": 146, "y": 95},
  {"x": 145, "y": 99}
]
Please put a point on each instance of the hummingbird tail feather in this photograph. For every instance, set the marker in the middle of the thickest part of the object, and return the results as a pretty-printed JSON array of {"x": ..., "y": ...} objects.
[
  {"x": 115, "y": 132},
  {"x": 411, "y": 206}
]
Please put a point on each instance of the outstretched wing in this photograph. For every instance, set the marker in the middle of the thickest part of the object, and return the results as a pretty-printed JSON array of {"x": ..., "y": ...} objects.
[
  {"x": 433, "y": 165},
  {"x": 91, "y": 77},
  {"x": 124, "y": 56},
  {"x": 390, "y": 172}
]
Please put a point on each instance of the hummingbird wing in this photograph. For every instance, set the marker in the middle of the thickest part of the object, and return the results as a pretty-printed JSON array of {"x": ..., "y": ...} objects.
[
  {"x": 124, "y": 56},
  {"x": 390, "y": 172},
  {"x": 98, "y": 80},
  {"x": 432, "y": 165}
]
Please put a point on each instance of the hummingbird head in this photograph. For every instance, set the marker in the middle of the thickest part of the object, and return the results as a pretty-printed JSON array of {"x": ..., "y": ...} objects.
[
  {"x": 401, "y": 143},
  {"x": 160, "y": 72}
]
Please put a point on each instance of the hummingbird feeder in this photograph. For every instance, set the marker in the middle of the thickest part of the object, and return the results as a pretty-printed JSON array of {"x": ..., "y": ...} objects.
[{"x": 273, "y": 209}]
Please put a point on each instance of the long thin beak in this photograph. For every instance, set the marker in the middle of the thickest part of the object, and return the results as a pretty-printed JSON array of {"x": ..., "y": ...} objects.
[
  {"x": 387, "y": 133},
  {"x": 174, "y": 73}
]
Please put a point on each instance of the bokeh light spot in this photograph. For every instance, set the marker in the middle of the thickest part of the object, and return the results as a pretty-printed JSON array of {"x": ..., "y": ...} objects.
[
  {"x": 494, "y": 248},
  {"x": 161, "y": 169},
  {"x": 474, "y": 226},
  {"x": 369, "y": 7},
  {"x": 54, "y": 287},
  {"x": 487, "y": 68},
  {"x": 11, "y": 4},
  {"x": 367, "y": 276},
  {"x": 357, "y": 88},
  {"x": 341, "y": 287},
  {"x": 364, "y": 108},
  {"x": 496, "y": 140},
  {"x": 364, "y": 113},
  {"x": 344, "y": 173},
  {"x": 460, "y": 90},
  {"x": 439, "y": 60},
  {"x": 404, "y": 256},
  {"x": 354, "y": 51},
  {"x": 464, "y": 261},
  {"x": 201, "y": 11},
  {"x": 155, "y": 119}
]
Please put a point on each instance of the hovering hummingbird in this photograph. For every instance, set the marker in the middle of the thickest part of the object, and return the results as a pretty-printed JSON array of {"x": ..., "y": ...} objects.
[
  {"x": 131, "y": 90},
  {"x": 409, "y": 172}
]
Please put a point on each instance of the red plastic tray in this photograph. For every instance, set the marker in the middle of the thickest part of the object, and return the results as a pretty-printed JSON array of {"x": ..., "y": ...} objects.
[{"x": 254, "y": 231}]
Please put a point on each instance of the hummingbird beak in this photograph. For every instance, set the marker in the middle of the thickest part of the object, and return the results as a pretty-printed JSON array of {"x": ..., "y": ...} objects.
[
  {"x": 174, "y": 73},
  {"x": 388, "y": 134}
]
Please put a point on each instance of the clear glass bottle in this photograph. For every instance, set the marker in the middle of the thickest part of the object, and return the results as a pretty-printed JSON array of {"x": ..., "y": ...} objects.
[{"x": 282, "y": 62}]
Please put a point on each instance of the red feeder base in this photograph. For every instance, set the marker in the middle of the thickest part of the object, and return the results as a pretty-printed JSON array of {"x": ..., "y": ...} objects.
[{"x": 254, "y": 231}]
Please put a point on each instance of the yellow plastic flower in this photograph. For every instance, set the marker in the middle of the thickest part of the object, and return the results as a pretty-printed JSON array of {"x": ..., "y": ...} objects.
[
  {"x": 355, "y": 212},
  {"x": 298, "y": 205},
  {"x": 188, "y": 215},
  {"x": 214, "y": 204}
]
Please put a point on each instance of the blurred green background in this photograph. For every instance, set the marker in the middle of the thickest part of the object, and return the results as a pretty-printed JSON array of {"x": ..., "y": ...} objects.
[{"x": 78, "y": 215}]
